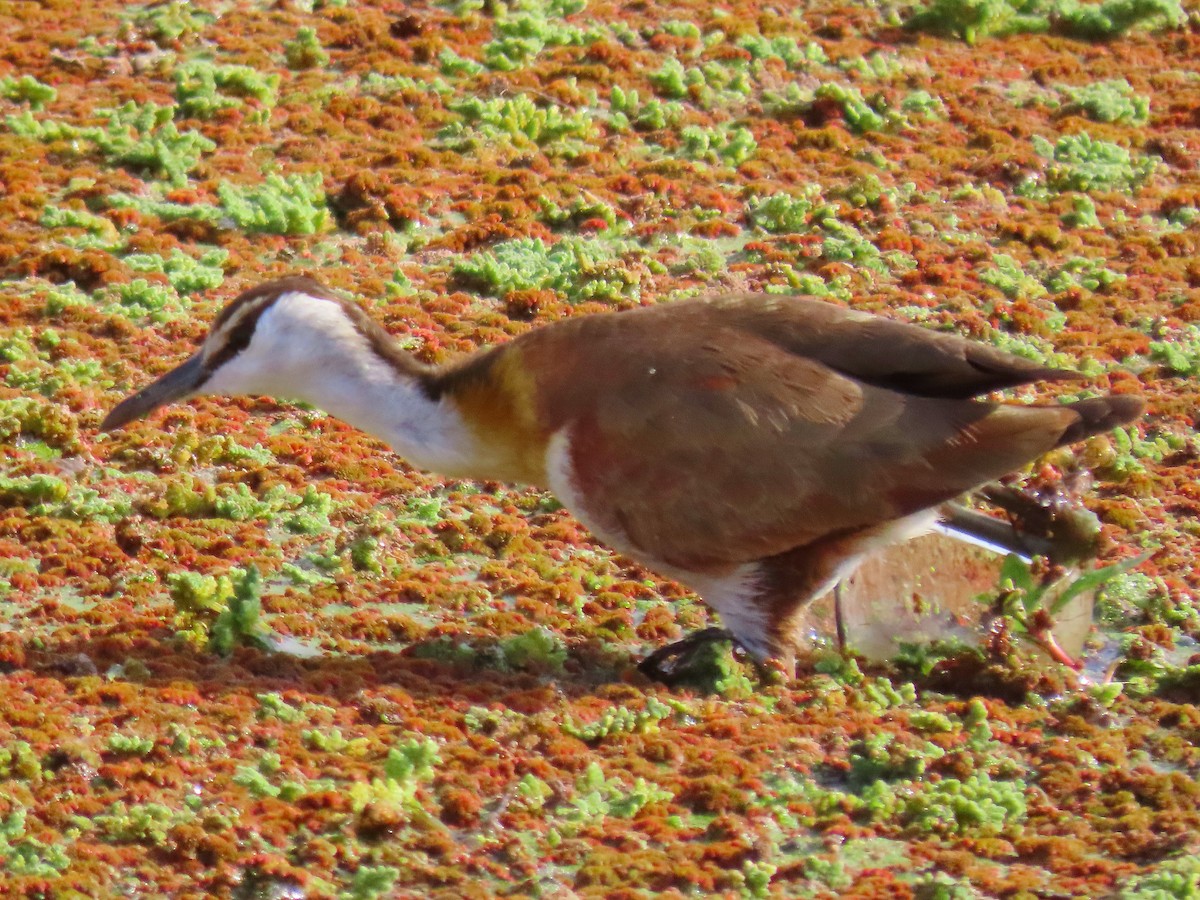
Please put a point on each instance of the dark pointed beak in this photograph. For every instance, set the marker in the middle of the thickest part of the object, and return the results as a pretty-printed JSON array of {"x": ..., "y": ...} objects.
[{"x": 175, "y": 385}]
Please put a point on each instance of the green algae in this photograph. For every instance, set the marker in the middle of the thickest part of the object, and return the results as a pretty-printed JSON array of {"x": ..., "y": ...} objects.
[
  {"x": 518, "y": 121},
  {"x": 973, "y": 20},
  {"x": 141, "y": 136},
  {"x": 1079, "y": 162},
  {"x": 281, "y": 204}
]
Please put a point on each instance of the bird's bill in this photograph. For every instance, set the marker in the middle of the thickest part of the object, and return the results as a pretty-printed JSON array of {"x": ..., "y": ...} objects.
[{"x": 180, "y": 382}]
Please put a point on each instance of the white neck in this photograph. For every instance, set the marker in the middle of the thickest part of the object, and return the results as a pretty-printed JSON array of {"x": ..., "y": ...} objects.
[
  {"x": 306, "y": 349},
  {"x": 393, "y": 407}
]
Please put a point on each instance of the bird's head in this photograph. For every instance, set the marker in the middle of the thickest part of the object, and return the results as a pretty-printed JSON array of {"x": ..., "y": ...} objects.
[{"x": 277, "y": 340}]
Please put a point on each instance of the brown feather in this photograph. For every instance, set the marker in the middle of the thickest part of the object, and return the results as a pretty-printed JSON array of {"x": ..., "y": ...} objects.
[
  {"x": 754, "y": 446},
  {"x": 724, "y": 431}
]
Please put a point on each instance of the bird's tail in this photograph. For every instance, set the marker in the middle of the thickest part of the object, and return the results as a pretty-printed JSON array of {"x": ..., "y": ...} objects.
[
  {"x": 1063, "y": 535},
  {"x": 1100, "y": 414}
]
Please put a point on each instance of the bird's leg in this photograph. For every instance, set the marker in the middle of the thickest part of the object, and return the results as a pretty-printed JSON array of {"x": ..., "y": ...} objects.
[
  {"x": 798, "y": 577},
  {"x": 794, "y": 579},
  {"x": 784, "y": 586},
  {"x": 839, "y": 619}
]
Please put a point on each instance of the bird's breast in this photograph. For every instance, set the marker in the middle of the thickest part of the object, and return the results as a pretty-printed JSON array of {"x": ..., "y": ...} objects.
[{"x": 499, "y": 406}]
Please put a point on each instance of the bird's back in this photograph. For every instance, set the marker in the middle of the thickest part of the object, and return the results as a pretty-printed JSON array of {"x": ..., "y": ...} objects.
[{"x": 710, "y": 432}]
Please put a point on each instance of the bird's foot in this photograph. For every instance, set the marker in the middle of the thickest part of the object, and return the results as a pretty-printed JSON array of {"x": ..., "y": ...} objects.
[
  {"x": 682, "y": 660},
  {"x": 691, "y": 659}
]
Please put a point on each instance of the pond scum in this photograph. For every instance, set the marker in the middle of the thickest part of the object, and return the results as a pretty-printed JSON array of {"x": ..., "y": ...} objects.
[{"x": 258, "y": 656}]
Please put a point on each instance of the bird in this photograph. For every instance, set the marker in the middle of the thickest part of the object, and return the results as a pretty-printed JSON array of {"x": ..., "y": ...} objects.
[{"x": 753, "y": 447}]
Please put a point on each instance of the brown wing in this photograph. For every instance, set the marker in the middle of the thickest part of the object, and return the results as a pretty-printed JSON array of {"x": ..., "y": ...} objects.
[
  {"x": 710, "y": 445},
  {"x": 879, "y": 350}
]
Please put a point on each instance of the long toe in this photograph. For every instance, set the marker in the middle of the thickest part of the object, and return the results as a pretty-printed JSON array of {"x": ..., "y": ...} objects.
[{"x": 678, "y": 661}]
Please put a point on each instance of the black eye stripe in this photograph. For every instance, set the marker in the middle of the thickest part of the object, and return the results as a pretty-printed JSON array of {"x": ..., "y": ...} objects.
[
  {"x": 237, "y": 339},
  {"x": 234, "y": 326},
  {"x": 255, "y": 301}
]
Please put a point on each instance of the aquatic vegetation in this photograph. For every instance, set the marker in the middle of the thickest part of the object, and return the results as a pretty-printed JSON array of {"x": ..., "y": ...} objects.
[
  {"x": 223, "y": 612},
  {"x": 430, "y": 686},
  {"x": 1180, "y": 352},
  {"x": 597, "y": 796},
  {"x": 282, "y": 204},
  {"x": 1006, "y": 275},
  {"x": 24, "y": 855},
  {"x": 304, "y": 51},
  {"x": 708, "y": 85},
  {"x": 536, "y": 648},
  {"x": 530, "y": 26},
  {"x": 518, "y": 121},
  {"x": 1108, "y": 101},
  {"x": 168, "y": 210},
  {"x": 975, "y": 804},
  {"x": 1113, "y": 18},
  {"x": 370, "y": 882},
  {"x": 785, "y": 214},
  {"x": 973, "y": 20},
  {"x": 783, "y": 47},
  {"x": 187, "y": 274},
  {"x": 628, "y": 111},
  {"x": 862, "y": 116},
  {"x": 167, "y": 23},
  {"x": 577, "y": 267},
  {"x": 203, "y": 88},
  {"x": 1079, "y": 272},
  {"x": 376, "y": 84},
  {"x": 1029, "y": 602},
  {"x": 1077, "y": 162},
  {"x": 1169, "y": 879},
  {"x": 406, "y": 769},
  {"x": 141, "y": 136},
  {"x": 1082, "y": 213},
  {"x": 27, "y": 89},
  {"x": 18, "y": 761},
  {"x": 730, "y": 145},
  {"x": 623, "y": 721}
]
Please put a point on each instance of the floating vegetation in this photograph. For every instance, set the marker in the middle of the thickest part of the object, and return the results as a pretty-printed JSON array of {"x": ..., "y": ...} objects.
[
  {"x": 245, "y": 649},
  {"x": 520, "y": 122},
  {"x": 973, "y": 20},
  {"x": 139, "y": 136}
]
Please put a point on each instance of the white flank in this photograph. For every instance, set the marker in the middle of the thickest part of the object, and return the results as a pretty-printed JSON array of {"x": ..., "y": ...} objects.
[{"x": 735, "y": 597}]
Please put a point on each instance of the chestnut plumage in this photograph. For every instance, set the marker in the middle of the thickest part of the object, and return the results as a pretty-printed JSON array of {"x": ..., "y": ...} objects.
[{"x": 753, "y": 447}]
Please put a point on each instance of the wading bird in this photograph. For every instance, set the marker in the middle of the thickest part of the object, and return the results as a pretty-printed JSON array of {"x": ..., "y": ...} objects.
[{"x": 752, "y": 447}]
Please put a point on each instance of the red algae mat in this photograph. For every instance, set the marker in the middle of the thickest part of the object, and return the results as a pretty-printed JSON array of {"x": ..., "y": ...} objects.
[{"x": 246, "y": 651}]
